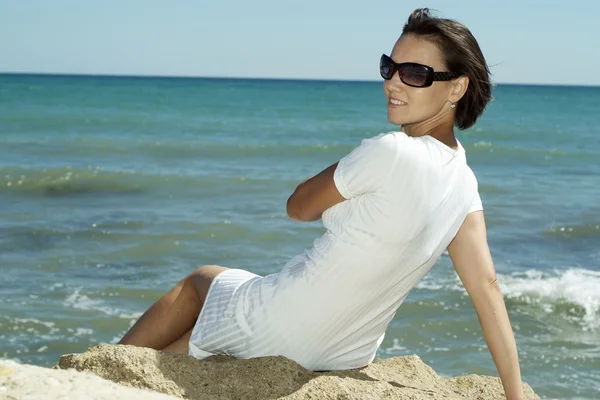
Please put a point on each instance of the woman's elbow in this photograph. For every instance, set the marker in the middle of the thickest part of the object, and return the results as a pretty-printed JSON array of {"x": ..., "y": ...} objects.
[
  {"x": 484, "y": 286},
  {"x": 293, "y": 210},
  {"x": 300, "y": 214},
  {"x": 492, "y": 283}
]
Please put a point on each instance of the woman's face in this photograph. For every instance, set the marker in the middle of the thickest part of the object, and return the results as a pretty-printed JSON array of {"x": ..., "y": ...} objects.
[{"x": 417, "y": 105}]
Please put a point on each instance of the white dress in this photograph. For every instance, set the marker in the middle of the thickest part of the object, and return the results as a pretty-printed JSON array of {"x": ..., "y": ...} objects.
[{"x": 329, "y": 307}]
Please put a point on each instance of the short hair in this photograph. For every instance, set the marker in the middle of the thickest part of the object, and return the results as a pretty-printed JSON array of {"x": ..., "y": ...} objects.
[{"x": 461, "y": 53}]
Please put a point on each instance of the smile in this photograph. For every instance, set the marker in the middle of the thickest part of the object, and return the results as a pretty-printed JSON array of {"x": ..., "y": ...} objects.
[{"x": 397, "y": 102}]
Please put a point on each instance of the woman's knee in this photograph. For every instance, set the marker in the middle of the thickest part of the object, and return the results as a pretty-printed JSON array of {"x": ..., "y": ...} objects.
[
  {"x": 203, "y": 276},
  {"x": 208, "y": 271}
]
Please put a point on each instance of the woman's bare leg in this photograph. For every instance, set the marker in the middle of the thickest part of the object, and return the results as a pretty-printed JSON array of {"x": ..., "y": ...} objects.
[
  {"x": 174, "y": 314},
  {"x": 181, "y": 345}
]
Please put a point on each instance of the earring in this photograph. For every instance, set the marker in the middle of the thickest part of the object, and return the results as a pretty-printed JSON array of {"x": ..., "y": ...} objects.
[{"x": 452, "y": 105}]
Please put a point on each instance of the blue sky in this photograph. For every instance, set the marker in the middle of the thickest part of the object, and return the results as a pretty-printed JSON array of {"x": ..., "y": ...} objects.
[{"x": 528, "y": 41}]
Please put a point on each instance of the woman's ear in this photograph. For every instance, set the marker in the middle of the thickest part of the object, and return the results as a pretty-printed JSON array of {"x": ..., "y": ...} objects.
[{"x": 459, "y": 88}]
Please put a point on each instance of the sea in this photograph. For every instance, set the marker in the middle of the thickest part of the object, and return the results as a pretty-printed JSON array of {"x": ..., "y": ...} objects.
[{"x": 112, "y": 189}]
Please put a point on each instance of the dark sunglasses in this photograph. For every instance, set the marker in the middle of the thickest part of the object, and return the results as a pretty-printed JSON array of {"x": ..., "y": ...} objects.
[{"x": 413, "y": 74}]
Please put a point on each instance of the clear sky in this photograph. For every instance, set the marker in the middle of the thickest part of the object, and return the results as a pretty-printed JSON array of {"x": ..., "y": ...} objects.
[{"x": 527, "y": 41}]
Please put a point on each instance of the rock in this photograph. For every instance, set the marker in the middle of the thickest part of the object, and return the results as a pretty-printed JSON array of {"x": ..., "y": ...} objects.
[
  {"x": 221, "y": 377},
  {"x": 19, "y": 382}
]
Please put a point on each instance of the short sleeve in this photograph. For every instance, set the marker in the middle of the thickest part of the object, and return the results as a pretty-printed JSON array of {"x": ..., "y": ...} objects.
[
  {"x": 365, "y": 169},
  {"x": 476, "y": 204}
]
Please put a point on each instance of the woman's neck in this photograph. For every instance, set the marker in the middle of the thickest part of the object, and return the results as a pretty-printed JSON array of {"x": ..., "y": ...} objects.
[{"x": 442, "y": 132}]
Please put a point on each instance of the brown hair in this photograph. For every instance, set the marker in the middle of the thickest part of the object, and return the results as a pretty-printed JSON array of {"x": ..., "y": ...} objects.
[{"x": 461, "y": 54}]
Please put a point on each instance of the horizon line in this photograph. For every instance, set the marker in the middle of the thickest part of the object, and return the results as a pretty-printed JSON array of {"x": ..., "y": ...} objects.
[{"x": 157, "y": 76}]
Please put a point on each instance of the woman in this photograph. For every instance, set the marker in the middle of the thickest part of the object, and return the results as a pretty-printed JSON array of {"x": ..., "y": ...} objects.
[{"x": 391, "y": 207}]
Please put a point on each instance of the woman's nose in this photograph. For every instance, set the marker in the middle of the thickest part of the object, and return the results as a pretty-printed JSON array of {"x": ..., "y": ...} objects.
[{"x": 395, "y": 81}]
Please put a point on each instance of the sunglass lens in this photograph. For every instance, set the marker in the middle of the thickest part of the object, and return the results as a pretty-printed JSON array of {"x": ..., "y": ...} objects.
[
  {"x": 386, "y": 71},
  {"x": 413, "y": 75},
  {"x": 386, "y": 67}
]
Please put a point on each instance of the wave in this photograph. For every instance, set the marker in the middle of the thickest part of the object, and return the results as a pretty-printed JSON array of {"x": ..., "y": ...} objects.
[
  {"x": 69, "y": 181},
  {"x": 572, "y": 293},
  {"x": 79, "y": 301},
  {"x": 56, "y": 182}
]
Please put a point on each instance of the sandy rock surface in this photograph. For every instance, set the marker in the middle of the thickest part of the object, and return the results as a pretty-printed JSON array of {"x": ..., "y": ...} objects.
[
  {"x": 222, "y": 377},
  {"x": 28, "y": 382}
]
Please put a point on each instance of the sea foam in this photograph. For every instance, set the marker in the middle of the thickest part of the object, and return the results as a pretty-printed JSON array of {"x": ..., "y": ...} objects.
[
  {"x": 575, "y": 286},
  {"x": 574, "y": 290}
]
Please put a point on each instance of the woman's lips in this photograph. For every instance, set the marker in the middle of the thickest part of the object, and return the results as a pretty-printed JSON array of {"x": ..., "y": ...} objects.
[{"x": 396, "y": 103}]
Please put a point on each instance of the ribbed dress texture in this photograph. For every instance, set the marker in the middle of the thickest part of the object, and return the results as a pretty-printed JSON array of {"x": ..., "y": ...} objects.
[{"x": 328, "y": 308}]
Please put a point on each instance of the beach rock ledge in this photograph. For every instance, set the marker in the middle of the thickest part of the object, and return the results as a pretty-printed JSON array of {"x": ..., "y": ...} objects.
[{"x": 220, "y": 377}]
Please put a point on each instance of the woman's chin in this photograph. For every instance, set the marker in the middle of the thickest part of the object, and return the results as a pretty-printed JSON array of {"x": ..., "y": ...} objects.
[{"x": 396, "y": 120}]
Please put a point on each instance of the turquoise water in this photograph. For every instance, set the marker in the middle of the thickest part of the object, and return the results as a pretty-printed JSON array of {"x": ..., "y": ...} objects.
[{"x": 112, "y": 189}]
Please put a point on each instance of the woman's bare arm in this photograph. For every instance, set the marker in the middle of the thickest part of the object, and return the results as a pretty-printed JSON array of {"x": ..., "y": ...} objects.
[
  {"x": 313, "y": 196},
  {"x": 472, "y": 260}
]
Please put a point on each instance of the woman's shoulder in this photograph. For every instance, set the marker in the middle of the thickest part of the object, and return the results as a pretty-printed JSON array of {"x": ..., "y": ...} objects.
[
  {"x": 390, "y": 149},
  {"x": 391, "y": 137},
  {"x": 387, "y": 142}
]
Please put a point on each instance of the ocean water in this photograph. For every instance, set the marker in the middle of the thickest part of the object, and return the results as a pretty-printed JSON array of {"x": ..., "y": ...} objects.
[{"x": 113, "y": 188}]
